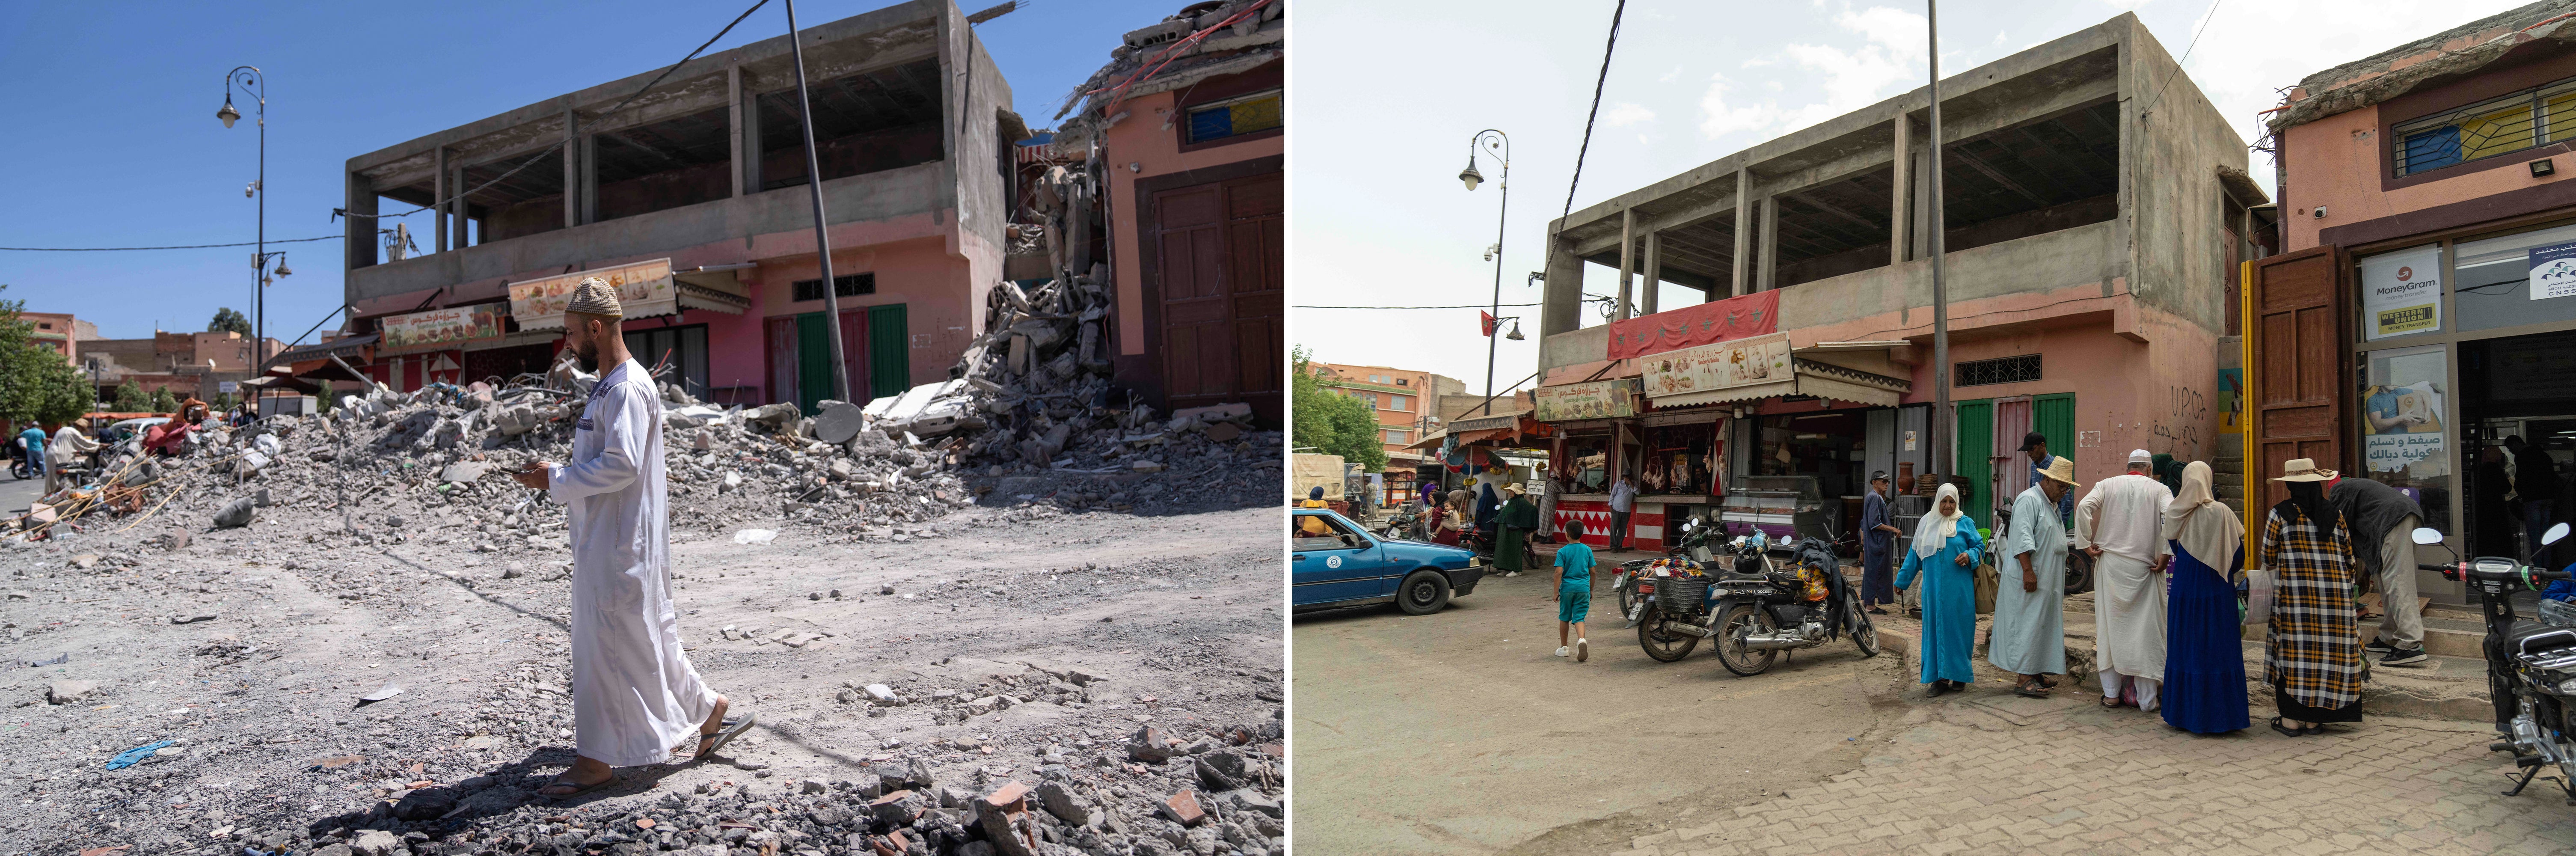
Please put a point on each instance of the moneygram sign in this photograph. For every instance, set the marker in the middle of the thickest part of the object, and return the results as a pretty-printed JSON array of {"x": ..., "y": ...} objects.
[{"x": 2401, "y": 292}]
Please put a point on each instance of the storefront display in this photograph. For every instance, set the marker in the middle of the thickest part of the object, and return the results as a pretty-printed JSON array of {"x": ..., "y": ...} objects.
[{"x": 2401, "y": 292}]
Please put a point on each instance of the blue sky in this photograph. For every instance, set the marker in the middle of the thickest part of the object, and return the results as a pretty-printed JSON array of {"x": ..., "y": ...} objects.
[
  {"x": 1378, "y": 217},
  {"x": 113, "y": 139}
]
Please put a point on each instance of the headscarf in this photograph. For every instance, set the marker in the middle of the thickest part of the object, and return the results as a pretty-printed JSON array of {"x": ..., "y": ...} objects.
[
  {"x": 1934, "y": 530},
  {"x": 2214, "y": 537},
  {"x": 2310, "y": 497},
  {"x": 1316, "y": 492}
]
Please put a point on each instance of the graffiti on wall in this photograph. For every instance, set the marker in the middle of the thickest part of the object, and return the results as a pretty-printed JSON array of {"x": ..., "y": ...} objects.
[{"x": 2178, "y": 429}]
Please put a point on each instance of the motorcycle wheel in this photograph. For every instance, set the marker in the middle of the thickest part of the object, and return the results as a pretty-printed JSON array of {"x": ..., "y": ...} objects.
[
  {"x": 1732, "y": 626},
  {"x": 1864, "y": 634},
  {"x": 2079, "y": 573},
  {"x": 1627, "y": 593},
  {"x": 1664, "y": 646}
]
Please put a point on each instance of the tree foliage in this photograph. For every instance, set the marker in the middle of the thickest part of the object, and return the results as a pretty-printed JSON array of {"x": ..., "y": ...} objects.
[
  {"x": 1332, "y": 423},
  {"x": 228, "y": 318},
  {"x": 36, "y": 383},
  {"x": 163, "y": 401},
  {"x": 130, "y": 398}
]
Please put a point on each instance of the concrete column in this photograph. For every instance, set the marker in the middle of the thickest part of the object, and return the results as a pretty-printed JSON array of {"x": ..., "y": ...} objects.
[
  {"x": 1743, "y": 221},
  {"x": 733, "y": 125},
  {"x": 572, "y": 169},
  {"x": 589, "y": 178},
  {"x": 1561, "y": 308},
  {"x": 464, "y": 218},
  {"x": 1627, "y": 261},
  {"x": 360, "y": 225},
  {"x": 1897, "y": 221},
  {"x": 1654, "y": 265},
  {"x": 1770, "y": 243},
  {"x": 438, "y": 194},
  {"x": 1922, "y": 208}
]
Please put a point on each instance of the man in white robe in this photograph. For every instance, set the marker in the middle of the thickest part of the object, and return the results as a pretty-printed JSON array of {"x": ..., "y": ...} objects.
[
  {"x": 2119, "y": 524},
  {"x": 2030, "y": 606},
  {"x": 634, "y": 693},
  {"x": 69, "y": 444}
]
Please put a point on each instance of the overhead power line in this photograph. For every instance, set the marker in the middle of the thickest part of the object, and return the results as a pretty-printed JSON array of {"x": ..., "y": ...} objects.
[
  {"x": 542, "y": 155},
  {"x": 180, "y": 247},
  {"x": 1471, "y": 306},
  {"x": 1597, "y": 84}
]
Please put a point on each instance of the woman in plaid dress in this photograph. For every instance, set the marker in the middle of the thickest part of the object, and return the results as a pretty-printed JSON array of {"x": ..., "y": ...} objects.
[{"x": 2313, "y": 656}]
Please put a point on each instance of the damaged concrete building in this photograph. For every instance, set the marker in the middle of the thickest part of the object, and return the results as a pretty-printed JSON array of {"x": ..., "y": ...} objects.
[
  {"x": 695, "y": 193},
  {"x": 2094, "y": 208},
  {"x": 1185, "y": 124}
]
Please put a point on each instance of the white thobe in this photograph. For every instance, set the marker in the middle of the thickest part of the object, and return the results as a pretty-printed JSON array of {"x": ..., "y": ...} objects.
[
  {"x": 634, "y": 694},
  {"x": 2124, "y": 515},
  {"x": 67, "y": 446}
]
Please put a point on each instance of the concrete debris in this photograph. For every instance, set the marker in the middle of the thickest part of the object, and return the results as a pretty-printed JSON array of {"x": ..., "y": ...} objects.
[
  {"x": 755, "y": 536},
  {"x": 235, "y": 514},
  {"x": 70, "y": 692}
]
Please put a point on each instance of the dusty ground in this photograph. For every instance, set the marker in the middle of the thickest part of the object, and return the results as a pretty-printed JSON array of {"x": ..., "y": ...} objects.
[
  {"x": 1536, "y": 754},
  {"x": 1098, "y": 623}
]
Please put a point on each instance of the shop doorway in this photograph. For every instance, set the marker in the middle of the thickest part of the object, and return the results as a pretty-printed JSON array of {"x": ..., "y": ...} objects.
[{"x": 2518, "y": 412}]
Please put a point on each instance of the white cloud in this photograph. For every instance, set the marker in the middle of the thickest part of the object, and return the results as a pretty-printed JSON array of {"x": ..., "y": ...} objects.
[
  {"x": 1718, "y": 118},
  {"x": 1889, "y": 60},
  {"x": 1670, "y": 76},
  {"x": 2126, "y": 5},
  {"x": 1624, "y": 114}
]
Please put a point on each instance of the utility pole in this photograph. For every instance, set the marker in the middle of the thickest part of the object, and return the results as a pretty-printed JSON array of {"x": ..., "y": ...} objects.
[
  {"x": 1941, "y": 426},
  {"x": 822, "y": 239}
]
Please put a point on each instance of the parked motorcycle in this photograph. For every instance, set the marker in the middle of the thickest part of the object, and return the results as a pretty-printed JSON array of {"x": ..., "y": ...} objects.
[
  {"x": 2531, "y": 665},
  {"x": 1755, "y": 609},
  {"x": 2079, "y": 564},
  {"x": 21, "y": 465},
  {"x": 1406, "y": 525},
  {"x": 1630, "y": 580}
]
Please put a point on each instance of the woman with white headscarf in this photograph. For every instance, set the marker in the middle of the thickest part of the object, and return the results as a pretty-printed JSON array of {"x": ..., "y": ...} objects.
[
  {"x": 2204, "y": 691},
  {"x": 1945, "y": 554}
]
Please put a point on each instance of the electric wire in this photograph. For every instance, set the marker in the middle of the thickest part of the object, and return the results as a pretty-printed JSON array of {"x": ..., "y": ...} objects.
[
  {"x": 542, "y": 155},
  {"x": 178, "y": 247},
  {"x": 1597, "y": 84},
  {"x": 1473, "y": 306},
  {"x": 2205, "y": 18}
]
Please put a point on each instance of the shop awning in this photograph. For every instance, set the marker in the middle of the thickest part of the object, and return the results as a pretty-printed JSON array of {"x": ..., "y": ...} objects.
[
  {"x": 1808, "y": 377},
  {"x": 345, "y": 346},
  {"x": 713, "y": 288},
  {"x": 1480, "y": 423}
]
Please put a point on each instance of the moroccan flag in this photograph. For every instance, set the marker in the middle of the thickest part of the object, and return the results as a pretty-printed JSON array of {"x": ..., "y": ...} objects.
[{"x": 1486, "y": 321}]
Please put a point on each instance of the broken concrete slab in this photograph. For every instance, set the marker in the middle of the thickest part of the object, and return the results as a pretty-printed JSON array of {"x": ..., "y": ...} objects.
[{"x": 69, "y": 692}]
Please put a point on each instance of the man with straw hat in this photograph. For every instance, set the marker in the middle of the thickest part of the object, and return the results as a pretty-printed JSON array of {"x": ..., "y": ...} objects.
[
  {"x": 2312, "y": 657},
  {"x": 634, "y": 692},
  {"x": 70, "y": 442},
  {"x": 2030, "y": 610},
  {"x": 2120, "y": 524}
]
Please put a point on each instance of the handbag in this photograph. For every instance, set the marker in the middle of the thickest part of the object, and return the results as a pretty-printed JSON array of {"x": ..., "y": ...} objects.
[{"x": 2254, "y": 597}]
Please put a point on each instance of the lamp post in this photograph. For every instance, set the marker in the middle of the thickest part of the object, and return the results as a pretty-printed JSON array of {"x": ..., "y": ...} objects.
[
  {"x": 254, "y": 83},
  {"x": 1501, "y": 144}
]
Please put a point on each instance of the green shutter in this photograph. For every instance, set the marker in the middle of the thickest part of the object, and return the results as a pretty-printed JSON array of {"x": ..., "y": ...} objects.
[
  {"x": 2053, "y": 416},
  {"x": 813, "y": 362},
  {"x": 889, "y": 351},
  {"x": 1976, "y": 421}
]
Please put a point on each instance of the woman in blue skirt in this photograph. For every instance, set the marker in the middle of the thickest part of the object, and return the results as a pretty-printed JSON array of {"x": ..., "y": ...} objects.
[{"x": 2204, "y": 688}]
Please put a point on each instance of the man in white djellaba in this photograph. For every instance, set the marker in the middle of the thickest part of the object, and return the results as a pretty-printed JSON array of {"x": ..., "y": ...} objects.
[
  {"x": 2121, "y": 525},
  {"x": 634, "y": 694}
]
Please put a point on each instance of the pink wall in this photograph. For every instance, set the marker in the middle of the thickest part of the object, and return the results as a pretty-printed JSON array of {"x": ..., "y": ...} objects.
[
  {"x": 919, "y": 273},
  {"x": 1142, "y": 140},
  {"x": 2338, "y": 162}
]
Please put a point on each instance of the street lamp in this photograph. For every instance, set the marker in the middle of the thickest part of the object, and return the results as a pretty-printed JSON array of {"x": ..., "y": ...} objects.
[
  {"x": 1499, "y": 146},
  {"x": 254, "y": 83}
]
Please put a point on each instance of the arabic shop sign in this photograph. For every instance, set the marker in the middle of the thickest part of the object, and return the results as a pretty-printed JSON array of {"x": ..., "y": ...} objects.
[
  {"x": 1761, "y": 359},
  {"x": 438, "y": 329},
  {"x": 2553, "y": 271},
  {"x": 1600, "y": 399},
  {"x": 644, "y": 290}
]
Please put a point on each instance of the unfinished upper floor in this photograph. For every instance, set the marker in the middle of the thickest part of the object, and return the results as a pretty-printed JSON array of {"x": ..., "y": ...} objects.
[
  {"x": 2089, "y": 160},
  {"x": 911, "y": 123}
]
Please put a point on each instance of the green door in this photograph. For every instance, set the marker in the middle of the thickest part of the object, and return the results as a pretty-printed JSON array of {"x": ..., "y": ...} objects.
[
  {"x": 813, "y": 362},
  {"x": 889, "y": 351},
  {"x": 1976, "y": 424},
  {"x": 2053, "y": 416}
]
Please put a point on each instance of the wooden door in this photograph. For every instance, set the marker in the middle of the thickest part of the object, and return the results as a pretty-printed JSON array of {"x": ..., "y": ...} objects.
[
  {"x": 889, "y": 350},
  {"x": 1976, "y": 420},
  {"x": 781, "y": 340},
  {"x": 1219, "y": 265},
  {"x": 2300, "y": 338},
  {"x": 813, "y": 362}
]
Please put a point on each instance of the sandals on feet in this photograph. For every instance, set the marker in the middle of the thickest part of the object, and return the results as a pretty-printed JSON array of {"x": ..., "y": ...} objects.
[
  {"x": 2287, "y": 731},
  {"x": 715, "y": 740},
  {"x": 577, "y": 788},
  {"x": 2033, "y": 689}
]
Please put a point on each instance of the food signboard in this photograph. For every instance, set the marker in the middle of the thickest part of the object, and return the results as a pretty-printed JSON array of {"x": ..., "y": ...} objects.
[
  {"x": 644, "y": 290},
  {"x": 1741, "y": 362}
]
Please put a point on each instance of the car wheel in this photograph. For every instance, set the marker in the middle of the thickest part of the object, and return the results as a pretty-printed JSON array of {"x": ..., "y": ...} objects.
[{"x": 1423, "y": 593}]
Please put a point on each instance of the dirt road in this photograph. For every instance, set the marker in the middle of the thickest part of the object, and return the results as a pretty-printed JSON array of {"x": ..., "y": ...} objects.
[
  {"x": 1027, "y": 643},
  {"x": 1460, "y": 732}
]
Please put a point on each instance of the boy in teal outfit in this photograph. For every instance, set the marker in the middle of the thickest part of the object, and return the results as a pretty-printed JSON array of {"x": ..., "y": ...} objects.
[{"x": 1573, "y": 591}]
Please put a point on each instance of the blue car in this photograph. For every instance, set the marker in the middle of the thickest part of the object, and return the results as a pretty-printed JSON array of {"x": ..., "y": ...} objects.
[{"x": 1336, "y": 563}]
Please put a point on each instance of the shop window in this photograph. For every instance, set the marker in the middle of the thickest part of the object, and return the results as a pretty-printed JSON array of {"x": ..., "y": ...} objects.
[
  {"x": 2406, "y": 426},
  {"x": 2527, "y": 277},
  {"x": 2020, "y": 369},
  {"x": 851, "y": 285},
  {"x": 1235, "y": 117}
]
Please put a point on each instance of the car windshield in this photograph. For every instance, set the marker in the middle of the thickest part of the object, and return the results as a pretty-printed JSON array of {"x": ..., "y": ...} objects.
[{"x": 1321, "y": 532}]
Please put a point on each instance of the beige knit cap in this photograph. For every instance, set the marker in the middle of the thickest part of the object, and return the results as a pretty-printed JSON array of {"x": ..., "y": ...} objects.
[{"x": 593, "y": 296}]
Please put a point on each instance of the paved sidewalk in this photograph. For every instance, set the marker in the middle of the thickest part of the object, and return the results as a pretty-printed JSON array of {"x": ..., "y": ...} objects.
[{"x": 1989, "y": 772}]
